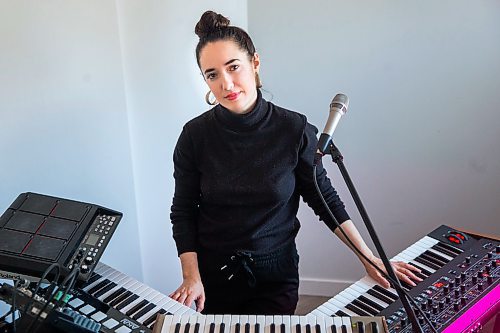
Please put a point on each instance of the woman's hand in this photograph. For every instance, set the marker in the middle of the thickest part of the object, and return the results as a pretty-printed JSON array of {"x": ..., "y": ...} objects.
[
  {"x": 405, "y": 272},
  {"x": 189, "y": 291}
]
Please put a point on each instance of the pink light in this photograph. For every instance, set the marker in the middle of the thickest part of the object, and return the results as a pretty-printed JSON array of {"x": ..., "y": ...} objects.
[{"x": 473, "y": 314}]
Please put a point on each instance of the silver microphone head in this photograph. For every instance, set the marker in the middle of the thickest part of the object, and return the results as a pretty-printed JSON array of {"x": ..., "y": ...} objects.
[{"x": 340, "y": 102}]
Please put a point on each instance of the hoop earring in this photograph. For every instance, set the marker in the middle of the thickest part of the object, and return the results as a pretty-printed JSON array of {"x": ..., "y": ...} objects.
[
  {"x": 207, "y": 99},
  {"x": 258, "y": 83}
]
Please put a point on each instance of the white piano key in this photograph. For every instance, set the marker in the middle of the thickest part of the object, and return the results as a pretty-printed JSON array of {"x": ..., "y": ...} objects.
[
  {"x": 209, "y": 319},
  {"x": 338, "y": 322},
  {"x": 268, "y": 322},
  {"x": 159, "y": 305},
  {"x": 347, "y": 322},
  {"x": 261, "y": 320},
  {"x": 167, "y": 323},
  {"x": 227, "y": 323},
  {"x": 175, "y": 319}
]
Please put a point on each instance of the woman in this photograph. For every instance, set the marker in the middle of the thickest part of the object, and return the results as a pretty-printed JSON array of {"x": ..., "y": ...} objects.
[{"x": 240, "y": 170}]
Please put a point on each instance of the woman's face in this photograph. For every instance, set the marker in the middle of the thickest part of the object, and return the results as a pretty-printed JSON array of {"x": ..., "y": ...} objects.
[{"x": 230, "y": 75}]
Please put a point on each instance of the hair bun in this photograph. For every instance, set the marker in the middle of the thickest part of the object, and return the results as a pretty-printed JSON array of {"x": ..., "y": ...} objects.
[{"x": 210, "y": 22}]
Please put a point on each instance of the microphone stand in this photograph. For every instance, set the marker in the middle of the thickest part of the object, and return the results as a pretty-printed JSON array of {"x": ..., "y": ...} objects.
[{"x": 337, "y": 158}]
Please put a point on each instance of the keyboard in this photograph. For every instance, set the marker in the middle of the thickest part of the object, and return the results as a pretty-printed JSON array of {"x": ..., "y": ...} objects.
[
  {"x": 122, "y": 304},
  {"x": 460, "y": 274},
  {"x": 268, "y": 324}
]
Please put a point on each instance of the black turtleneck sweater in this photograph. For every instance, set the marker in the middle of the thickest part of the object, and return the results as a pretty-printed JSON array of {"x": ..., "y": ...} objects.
[{"x": 239, "y": 178}]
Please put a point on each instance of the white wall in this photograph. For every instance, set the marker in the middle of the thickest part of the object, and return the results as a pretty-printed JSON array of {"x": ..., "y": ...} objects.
[
  {"x": 421, "y": 137},
  {"x": 63, "y": 120}
]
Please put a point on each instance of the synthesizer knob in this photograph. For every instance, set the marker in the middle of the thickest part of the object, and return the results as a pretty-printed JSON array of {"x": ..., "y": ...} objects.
[
  {"x": 448, "y": 299},
  {"x": 451, "y": 285},
  {"x": 463, "y": 300},
  {"x": 480, "y": 286},
  {"x": 89, "y": 260},
  {"x": 457, "y": 279},
  {"x": 490, "y": 255},
  {"x": 463, "y": 276},
  {"x": 429, "y": 301},
  {"x": 487, "y": 269},
  {"x": 467, "y": 260},
  {"x": 441, "y": 304},
  {"x": 421, "y": 320},
  {"x": 474, "y": 279},
  {"x": 489, "y": 279},
  {"x": 493, "y": 264},
  {"x": 462, "y": 287},
  {"x": 498, "y": 249},
  {"x": 446, "y": 289},
  {"x": 457, "y": 292},
  {"x": 403, "y": 322},
  {"x": 423, "y": 306},
  {"x": 435, "y": 309},
  {"x": 456, "y": 306},
  {"x": 84, "y": 269}
]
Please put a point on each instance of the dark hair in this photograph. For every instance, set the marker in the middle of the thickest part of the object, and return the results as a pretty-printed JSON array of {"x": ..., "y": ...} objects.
[{"x": 213, "y": 27}]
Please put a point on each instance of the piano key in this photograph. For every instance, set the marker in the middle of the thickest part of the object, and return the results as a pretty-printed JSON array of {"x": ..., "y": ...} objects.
[{"x": 152, "y": 318}]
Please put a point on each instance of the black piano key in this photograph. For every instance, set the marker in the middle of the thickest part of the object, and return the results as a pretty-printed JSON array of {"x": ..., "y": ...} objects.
[
  {"x": 405, "y": 285},
  {"x": 145, "y": 310},
  {"x": 297, "y": 328},
  {"x": 308, "y": 328},
  {"x": 247, "y": 328},
  {"x": 178, "y": 328},
  {"x": 450, "y": 248},
  {"x": 426, "y": 263},
  {"x": 361, "y": 327},
  {"x": 371, "y": 303},
  {"x": 341, "y": 313},
  {"x": 364, "y": 307},
  {"x": 114, "y": 295},
  {"x": 93, "y": 278},
  {"x": 127, "y": 301},
  {"x": 212, "y": 328},
  {"x": 356, "y": 310},
  {"x": 273, "y": 328},
  {"x": 98, "y": 286},
  {"x": 136, "y": 307},
  {"x": 420, "y": 275},
  {"x": 443, "y": 250},
  {"x": 318, "y": 328},
  {"x": 186, "y": 328},
  {"x": 381, "y": 297},
  {"x": 343, "y": 328},
  {"x": 222, "y": 327},
  {"x": 152, "y": 319},
  {"x": 104, "y": 290},
  {"x": 334, "y": 328},
  {"x": 386, "y": 292},
  {"x": 437, "y": 256},
  {"x": 257, "y": 328},
  {"x": 120, "y": 298},
  {"x": 237, "y": 328},
  {"x": 430, "y": 258},
  {"x": 374, "y": 327},
  {"x": 424, "y": 271},
  {"x": 282, "y": 328},
  {"x": 197, "y": 328}
]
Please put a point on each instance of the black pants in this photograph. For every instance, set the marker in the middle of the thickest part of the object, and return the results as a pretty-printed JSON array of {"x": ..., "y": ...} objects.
[{"x": 245, "y": 283}]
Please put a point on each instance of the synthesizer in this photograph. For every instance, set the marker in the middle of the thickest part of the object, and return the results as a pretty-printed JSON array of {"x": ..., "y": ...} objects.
[
  {"x": 460, "y": 285},
  {"x": 267, "y": 324},
  {"x": 121, "y": 304}
]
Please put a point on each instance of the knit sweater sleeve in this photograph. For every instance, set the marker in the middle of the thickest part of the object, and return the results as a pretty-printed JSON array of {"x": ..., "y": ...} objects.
[
  {"x": 186, "y": 200},
  {"x": 305, "y": 182}
]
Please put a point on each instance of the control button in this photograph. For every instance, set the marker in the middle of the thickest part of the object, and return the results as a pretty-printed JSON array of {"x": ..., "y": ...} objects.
[
  {"x": 110, "y": 323},
  {"x": 98, "y": 316},
  {"x": 75, "y": 302},
  {"x": 110, "y": 224},
  {"x": 123, "y": 329},
  {"x": 89, "y": 260},
  {"x": 467, "y": 260},
  {"x": 87, "y": 309},
  {"x": 84, "y": 269},
  {"x": 113, "y": 218}
]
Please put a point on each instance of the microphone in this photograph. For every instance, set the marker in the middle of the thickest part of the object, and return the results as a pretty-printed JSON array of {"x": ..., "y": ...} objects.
[{"x": 338, "y": 107}]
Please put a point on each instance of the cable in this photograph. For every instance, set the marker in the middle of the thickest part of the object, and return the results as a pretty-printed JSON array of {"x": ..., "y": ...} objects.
[
  {"x": 16, "y": 283},
  {"x": 66, "y": 285},
  {"x": 384, "y": 274}
]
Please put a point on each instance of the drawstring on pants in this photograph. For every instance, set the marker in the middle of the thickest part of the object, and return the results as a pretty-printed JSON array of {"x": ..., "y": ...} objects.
[{"x": 240, "y": 260}]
